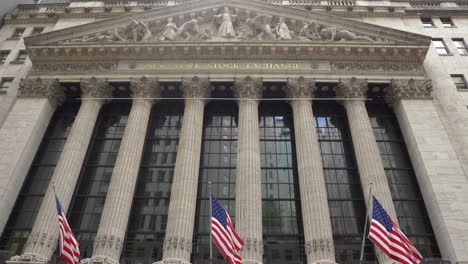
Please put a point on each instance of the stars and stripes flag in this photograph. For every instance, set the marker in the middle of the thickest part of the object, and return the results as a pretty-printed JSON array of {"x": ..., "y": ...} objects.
[
  {"x": 223, "y": 233},
  {"x": 68, "y": 246},
  {"x": 386, "y": 235}
]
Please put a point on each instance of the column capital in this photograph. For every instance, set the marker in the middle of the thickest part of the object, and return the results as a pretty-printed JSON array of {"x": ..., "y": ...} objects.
[
  {"x": 352, "y": 88},
  {"x": 408, "y": 89},
  {"x": 145, "y": 88},
  {"x": 300, "y": 88},
  {"x": 36, "y": 88},
  {"x": 95, "y": 88},
  {"x": 248, "y": 88},
  {"x": 196, "y": 87}
]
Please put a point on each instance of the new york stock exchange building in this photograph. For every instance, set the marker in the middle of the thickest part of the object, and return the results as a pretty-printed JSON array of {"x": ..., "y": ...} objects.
[{"x": 296, "y": 111}]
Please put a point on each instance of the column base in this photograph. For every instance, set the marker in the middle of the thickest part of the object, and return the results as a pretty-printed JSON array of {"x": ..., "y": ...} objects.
[
  {"x": 323, "y": 261},
  {"x": 172, "y": 261},
  {"x": 99, "y": 260},
  {"x": 27, "y": 259}
]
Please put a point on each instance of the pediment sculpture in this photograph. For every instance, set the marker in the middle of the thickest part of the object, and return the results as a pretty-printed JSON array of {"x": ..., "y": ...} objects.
[{"x": 227, "y": 26}]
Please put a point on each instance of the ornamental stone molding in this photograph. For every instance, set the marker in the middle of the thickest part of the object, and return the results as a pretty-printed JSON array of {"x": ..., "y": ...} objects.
[
  {"x": 27, "y": 259},
  {"x": 248, "y": 88},
  {"x": 256, "y": 245},
  {"x": 300, "y": 88},
  {"x": 172, "y": 261},
  {"x": 178, "y": 243},
  {"x": 145, "y": 88},
  {"x": 409, "y": 89},
  {"x": 98, "y": 260},
  {"x": 352, "y": 88},
  {"x": 319, "y": 245},
  {"x": 74, "y": 67},
  {"x": 39, "y": 88},
  {"x": 46, "y": 239},
  {"x": 379, "y": 67},
  {"x": 196, "y": 88},
  {"x": 108, "y": 241},
  {"x": 94, "y": 88}
]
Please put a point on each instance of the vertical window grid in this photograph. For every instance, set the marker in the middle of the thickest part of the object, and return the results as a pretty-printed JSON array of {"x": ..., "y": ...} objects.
[
  {"x": 447, "y": 22},
  {"x": 427, "y": 22},
  {"x": 461, "y": 46},
  {"x": 90, "y": 195},
  {"x": 218, "y": 165},
  {"x": 35, "y": 186},
  {"x": 147, "y": 224},
  {"x": 407, "y": 198},
  {"x": 459, "y": 81},
  {"x": 440, "y": 47},
  {"x": 345, "y": 197},
  {"x": 282, "y": 219}
]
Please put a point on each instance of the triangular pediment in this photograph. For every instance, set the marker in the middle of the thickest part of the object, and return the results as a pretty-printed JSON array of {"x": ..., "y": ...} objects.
[{"x": 227, "y": 21}]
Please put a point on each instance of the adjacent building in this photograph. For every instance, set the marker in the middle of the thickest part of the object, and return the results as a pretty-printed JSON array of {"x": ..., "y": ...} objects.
[{"x": 294, "y": 113}]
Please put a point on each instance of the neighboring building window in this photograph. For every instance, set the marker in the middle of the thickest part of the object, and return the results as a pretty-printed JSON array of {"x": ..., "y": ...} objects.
[
  {"x": 459, "y": 81},
  {"x": 447, "y": 22},
  {"x": 5, "y": 83},
  {"x": 461, "y": 46},
  {"x": 147, "y": 223},
  {"x": 281, "y": 202},
  {"x": 91, "y": 190},
  {"x": 29, "y": 200},
  {"x": 22, "y": 56},
  {"x": 218, "y": 165},
  {"x": 407, "y": 197},
  {"x": 37, "y": 30},
  {"x": 345, "y": 197},
  {"x": 18, "y": 33},
  {"x": 427, "y": 22},
  {"x": 440, "y": 46},
  {"x": 3, "y": 55}
]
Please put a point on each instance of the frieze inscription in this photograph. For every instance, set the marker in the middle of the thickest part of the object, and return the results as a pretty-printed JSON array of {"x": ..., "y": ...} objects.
[{"x": 226, "y": 66}]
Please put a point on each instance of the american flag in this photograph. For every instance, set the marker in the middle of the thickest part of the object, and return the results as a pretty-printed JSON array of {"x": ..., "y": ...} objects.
[
  {"x": 223, "y": 233},
  {"x": 385, "y": 234},
  {"x": 69, "y": 248}
]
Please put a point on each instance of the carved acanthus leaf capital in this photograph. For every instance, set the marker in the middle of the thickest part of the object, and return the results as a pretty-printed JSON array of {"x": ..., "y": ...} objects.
[
  {"x": 409, "y": 89},
  {"x": 300, "y": 88},
  {"x": 352, "y": 88},
  {"x": 248, "y": 88},
  {"x": 27, "y": 258},
  {"x": 196, "y": 88},
  {"x": 37, "y": 88},
  {"x": 145, "y": 88},
  {"x": 95, "y": 88}
]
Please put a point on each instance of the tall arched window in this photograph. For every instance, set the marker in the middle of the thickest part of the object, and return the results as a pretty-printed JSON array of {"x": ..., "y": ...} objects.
[
  {"x": 282, "y": 221},
  {"x": 217, "y": 165},
  {"x": 345, "y": 198},
  {"x": 90, "y": 194},
  {"x": 148, "y": 219},
  {"x": 35, "y": 186}
]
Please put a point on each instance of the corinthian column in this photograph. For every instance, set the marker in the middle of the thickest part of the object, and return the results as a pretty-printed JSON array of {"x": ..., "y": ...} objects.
[
  {"x": 43, "y": 239},
  {"x": 371, "y": 170},
  {"x": 314, "y": 201},
  {"x": 114, "y": 219},
  {"x": 181, "y": 215},
  {"x": 248, "y": 180}
]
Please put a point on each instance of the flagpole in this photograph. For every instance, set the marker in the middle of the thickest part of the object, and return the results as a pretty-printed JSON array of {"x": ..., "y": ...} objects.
[
  {"x": 361, "y": 258},
  {"x": 211, "y": 215}
]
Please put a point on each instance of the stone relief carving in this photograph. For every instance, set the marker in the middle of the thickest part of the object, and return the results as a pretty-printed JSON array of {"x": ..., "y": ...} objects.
[
  {"x": 364, "y": 66},
  {"x": 300, "y": 88},
  {"x": 95, "y": 88},
  {"x": 145, "y": 88},
  {"x": 227, "y": 26},
  {"x": 318, "y": 245},
  {"x": 352, "y": 88},
  {"x": 196, "y": 88},
  {"x": 83, "y": 67},
  {"x": 50, "y": 89},
  {"x": 248, "y": 88},
  {"x": 409, "y": 89}
]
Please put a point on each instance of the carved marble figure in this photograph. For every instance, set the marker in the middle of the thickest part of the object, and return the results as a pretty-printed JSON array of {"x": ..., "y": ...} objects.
[
  {"x": 262, "y": 23},
  {"x": 309, "y": 31},
  {"x": 226, "y": 29},
  {"x": 170, "y": 30},
  {"x": 190, "y": 30},
  {"x": 333, "y": 34},
  {"x": 282, "y": 30}
]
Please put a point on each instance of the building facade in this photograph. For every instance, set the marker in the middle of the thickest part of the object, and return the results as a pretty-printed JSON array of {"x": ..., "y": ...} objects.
[{"x": 294, "y": 112}]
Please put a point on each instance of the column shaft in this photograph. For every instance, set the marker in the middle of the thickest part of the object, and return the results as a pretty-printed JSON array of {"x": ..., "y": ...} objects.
[
  {"x": 181, "y": 215},
  {"x": 369, "y": 162},
  {"x": 248, "y": 183},
  {"x": 314, "y": 202},
  {"x": 114, "y": 220},
  {"x": 43, "y": 239}
]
